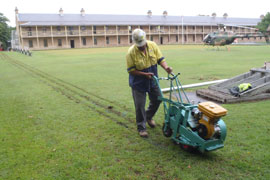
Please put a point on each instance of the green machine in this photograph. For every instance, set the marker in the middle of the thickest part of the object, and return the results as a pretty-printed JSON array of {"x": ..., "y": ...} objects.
[{"x": 192, "y": 126}]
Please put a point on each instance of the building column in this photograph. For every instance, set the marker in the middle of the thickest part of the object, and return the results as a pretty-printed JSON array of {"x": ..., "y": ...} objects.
[
  {"x": 186, "y": 34},
  {"x": 149, "y": 30},
  {"x": 37, "y": 36},
  {"x": 80, "y": 38},
  {"x": 169, "y": 35},
  {"x": 203, "y": 31},
  {"x": 22, "y": 45},
  {"x": 178, "y": 34},
  {"x": 116, "y": 30},
  {"x": 93, "y": 38},
  {"x": 195, "y": 34},
  {"x": 52, "y": 37},
  {"x": 182, "y": 29},
  {"x": 66, "y": 37},
  {"x": 129, "y": 35},
  {"x": 105, "y": 35},
  {"x": 159, "y": 35}
]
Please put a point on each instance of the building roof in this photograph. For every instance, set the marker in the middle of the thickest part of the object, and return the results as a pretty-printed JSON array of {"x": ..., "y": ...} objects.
[{"x": 108, "y": 19}]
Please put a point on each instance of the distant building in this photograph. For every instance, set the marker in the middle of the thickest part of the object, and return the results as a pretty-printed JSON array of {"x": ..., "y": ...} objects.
[{"x": 56, "y": 31}]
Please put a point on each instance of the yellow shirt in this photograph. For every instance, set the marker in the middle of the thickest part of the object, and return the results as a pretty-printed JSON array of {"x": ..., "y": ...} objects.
[{"x": 137, "y": 60}]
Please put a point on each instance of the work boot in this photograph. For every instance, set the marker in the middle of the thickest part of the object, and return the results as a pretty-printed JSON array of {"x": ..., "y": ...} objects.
[
  {"x": 143, "y": 134},
  {"x": 151, "y": 123}
]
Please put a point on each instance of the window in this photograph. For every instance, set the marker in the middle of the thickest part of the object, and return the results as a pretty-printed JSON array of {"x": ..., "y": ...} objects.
[
  {"x": 59, "y": 42},
  {"x": 176, "y": 38},
  {"x": 185, "y": 37},
  {"x": 84, "y": 41},
  {"x": 83, "y": 28},
  {"x": 95, "y": 29},
  {"x": 107, "y": 28},
  {"x": 194, "y": 38},
  {"x": 130, "y": 39},
  {"x": 95, "y": 41},
  {"x": 30, "y": 43},
  {"x": 107, "y": 40},
  {"x": 29, "y": 29},
  {"x": 119, "y": 40},
  {"x": 45, "y": 42},
  {"x": 70, "y": 29},
  {"x": 151, "y": 38},
  {"x": 44, "y": 29},
  {"x": 58, "y": 28}
]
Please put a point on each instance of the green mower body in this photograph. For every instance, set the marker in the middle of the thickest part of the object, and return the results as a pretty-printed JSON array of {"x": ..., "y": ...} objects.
[{"x": 191, "y": 126}]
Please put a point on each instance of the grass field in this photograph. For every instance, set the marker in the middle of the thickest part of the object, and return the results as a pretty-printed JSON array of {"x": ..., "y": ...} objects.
[{"x": 68, "y": 114}]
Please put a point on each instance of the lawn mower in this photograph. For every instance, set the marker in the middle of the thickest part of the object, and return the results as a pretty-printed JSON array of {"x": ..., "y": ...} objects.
[{"x": 193, "y": 126}]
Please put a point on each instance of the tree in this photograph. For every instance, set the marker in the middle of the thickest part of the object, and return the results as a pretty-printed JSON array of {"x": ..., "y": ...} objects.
[
  {"x": 264, "y": 25},
  {"x": 4, "y": 31}
]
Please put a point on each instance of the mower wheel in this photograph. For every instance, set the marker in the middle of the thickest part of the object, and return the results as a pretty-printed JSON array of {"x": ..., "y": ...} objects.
[{"x": 168, "y": 132}]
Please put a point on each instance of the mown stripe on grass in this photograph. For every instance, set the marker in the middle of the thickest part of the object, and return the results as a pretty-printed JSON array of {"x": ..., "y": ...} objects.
[{"x": 79, "y": 95}]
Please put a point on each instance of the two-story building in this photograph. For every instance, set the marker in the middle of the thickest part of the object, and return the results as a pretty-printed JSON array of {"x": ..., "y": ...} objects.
[{"x": 56, "y": 31}]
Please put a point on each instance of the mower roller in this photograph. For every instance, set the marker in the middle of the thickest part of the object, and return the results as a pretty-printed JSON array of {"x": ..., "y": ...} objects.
[{"x": 193, "y": 126}]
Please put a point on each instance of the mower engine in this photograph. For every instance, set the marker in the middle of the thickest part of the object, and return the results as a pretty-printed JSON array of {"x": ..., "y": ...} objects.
[{"x": 206, "y": 117}]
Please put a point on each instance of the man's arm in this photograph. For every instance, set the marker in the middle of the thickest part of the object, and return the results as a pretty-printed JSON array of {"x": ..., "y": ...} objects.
[
  {"x": 140, "y": 73},
  {"x": 164, "y": 65}
]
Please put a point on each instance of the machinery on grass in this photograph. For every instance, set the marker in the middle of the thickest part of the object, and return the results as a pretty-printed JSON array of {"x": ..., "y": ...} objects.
[{"x": 192, "y": 126}]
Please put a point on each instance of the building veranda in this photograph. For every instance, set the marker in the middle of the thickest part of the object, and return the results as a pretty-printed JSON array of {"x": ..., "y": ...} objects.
[{"x": 57, "y": 31}]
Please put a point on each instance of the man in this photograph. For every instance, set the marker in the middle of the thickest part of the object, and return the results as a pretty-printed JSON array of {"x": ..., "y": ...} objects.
[{"x": 142, "y": 59}]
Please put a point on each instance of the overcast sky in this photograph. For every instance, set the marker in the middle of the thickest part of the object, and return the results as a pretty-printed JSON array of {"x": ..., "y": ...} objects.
[{"x": 234, "y": 8}]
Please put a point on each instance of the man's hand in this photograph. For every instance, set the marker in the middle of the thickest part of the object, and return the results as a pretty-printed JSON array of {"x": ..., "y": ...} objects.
[
  {"x": 149, "y": 75},
  {"x": 169, "y": 70}
]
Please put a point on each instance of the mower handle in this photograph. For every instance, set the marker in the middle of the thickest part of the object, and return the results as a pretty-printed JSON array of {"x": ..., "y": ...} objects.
[
  {"x": 168, "y": 78},
  {"x": 173, "y": 76}
]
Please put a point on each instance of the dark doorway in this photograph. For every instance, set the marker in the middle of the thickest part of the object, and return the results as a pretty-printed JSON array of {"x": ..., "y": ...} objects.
[
  {"x": 161, "y": 40},
  {"x": 72, "y": 44}
]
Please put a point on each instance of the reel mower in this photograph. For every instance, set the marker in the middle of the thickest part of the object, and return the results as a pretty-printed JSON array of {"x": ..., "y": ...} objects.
[{"x": 192, "y": 126}]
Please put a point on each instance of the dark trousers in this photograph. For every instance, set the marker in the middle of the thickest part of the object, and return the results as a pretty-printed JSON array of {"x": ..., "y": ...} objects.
[{"x": 139, "y": 101}]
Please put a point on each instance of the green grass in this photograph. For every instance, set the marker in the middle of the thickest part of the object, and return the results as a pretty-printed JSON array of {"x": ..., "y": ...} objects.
[{"x": 57, "y": 124}]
